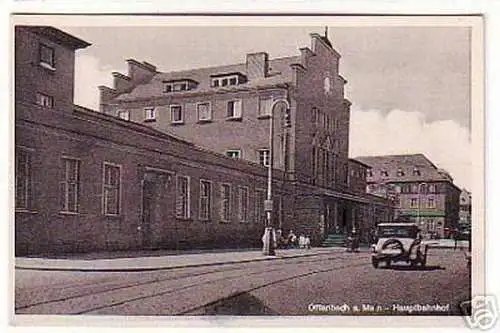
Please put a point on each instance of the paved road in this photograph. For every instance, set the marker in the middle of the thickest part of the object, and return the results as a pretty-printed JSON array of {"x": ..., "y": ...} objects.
[{"x": 326, "y": 284}]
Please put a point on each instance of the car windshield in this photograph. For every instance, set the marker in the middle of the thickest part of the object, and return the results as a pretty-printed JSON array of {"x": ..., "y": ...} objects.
[{"x": 397, "y": 231}]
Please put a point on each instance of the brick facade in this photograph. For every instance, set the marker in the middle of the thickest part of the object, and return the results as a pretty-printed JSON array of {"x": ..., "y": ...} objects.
[{"x": 88, "y": 181}]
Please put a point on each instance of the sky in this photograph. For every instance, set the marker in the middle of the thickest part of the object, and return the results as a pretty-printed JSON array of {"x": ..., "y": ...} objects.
[{"x": 409, "y": 86}]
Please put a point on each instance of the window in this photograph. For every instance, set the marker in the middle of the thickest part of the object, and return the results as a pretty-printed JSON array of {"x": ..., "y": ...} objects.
[
  {"x": 431, "y": 203},
  {"x": 416, "y": 172},
  {"x": 400, "y": 173},
  {"x": 47, "y": 56},
  {"x": 24, "y": 179},
  {"x": 432, "y": 188},
  {"x": 149, "y": 114},
  {"x": 111, "y": 189},
  {"x": 225, "y": 202},
  {"x": 243, "y": 204},
  {"x": 125, "y": 115},
  {"x": 176, "y": 116},
  {"x": 264, "y": 156},
  {"x": 227, "y": 80},
  {"x": 313, "y": 165},
  {"x": 314, "y": 115},
  {"x": 265, "y": 105},
  {"x": 369, "y": 173},
  {"x": 234, "y": 109},
  {"x": 44, "y": 100},
  {"x": 204, "y": 111},
  {"x": 182, "y": 199},
  {"x": 260, "y": 214},
  {"x": 384, "y": 173},
  {"x": 233, "y": 153},
  {"x": 70, "y": 185},
  {"x": 414, "y": 203},
  {"x": 178, "y": 86},
  {"x": 414, "y": 188},
  {"x": 205, "y": 199}
]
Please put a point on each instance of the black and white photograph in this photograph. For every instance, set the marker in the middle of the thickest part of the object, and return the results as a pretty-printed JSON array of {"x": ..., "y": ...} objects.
[{"x": 258, "y": 167}]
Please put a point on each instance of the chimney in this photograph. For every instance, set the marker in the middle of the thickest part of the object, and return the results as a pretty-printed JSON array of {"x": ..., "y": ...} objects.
[
  {"x": 121, "y": 83},
  {"x": 257, "y": 65},
  {"x": 106, "y": 94},
  {"x": 140, "y": 72}
]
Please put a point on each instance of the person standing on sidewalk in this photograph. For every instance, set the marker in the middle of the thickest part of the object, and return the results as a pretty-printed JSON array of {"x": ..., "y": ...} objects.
[{"x": 455, "y": 238}]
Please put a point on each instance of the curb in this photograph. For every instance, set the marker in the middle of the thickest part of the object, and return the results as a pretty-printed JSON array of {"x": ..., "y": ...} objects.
[{"x": 145, "y": 269}]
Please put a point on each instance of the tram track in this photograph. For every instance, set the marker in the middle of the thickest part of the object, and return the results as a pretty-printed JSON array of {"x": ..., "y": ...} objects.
[{"x": 226, "y": 272}]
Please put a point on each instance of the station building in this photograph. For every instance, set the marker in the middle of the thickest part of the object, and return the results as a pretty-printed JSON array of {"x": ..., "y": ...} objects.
[{"x": 110, "y": 180}]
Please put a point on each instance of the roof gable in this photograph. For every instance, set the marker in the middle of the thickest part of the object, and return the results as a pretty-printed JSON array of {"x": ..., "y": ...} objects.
[{"x": 403, "y": 168}]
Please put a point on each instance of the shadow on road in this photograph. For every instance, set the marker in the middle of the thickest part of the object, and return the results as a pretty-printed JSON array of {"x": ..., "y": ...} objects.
[
  {"x": 415, "y": 268},
  {"x": 237, "y": 305}
]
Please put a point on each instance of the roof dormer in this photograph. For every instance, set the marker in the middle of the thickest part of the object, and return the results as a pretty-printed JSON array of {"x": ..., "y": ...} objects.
[
  {"x": 227, "y": 79},
  {"x": 179, "y": 85}
]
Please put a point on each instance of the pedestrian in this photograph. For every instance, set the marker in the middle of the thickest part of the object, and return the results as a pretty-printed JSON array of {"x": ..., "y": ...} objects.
[
  {"x": 279, "y": 238},
  {"x": 302, "y": 241},
  {"x": 307, "y": 242},
  {"x": 455, "y": 238},
  {"x": 291, "y": 239}
]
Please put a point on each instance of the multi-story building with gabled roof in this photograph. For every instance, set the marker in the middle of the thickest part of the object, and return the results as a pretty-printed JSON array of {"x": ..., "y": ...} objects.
[
  {"x": 425, "y": 193},
  {"x": 228, "y": 108},
  {"x": 88, "y": 181}
]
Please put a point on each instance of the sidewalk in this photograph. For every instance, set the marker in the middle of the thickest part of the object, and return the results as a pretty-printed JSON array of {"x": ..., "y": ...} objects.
[
  {"x": 144, "y": 263},
  {"x": 447, "y": 243}
]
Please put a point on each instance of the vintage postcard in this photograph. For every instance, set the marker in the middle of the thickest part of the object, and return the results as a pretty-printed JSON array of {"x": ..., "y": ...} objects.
[{"x": 235, "y": 170}]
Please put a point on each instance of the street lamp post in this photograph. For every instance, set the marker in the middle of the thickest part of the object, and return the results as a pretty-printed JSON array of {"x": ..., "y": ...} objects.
[{"x": 268, "y": 246}]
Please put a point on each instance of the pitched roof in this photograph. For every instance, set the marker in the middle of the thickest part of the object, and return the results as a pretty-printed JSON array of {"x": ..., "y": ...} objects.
[
  {"x": 403, "y": 168},
  {"x": 279, "y": 72},
  {"x": 58, "y": 36}
]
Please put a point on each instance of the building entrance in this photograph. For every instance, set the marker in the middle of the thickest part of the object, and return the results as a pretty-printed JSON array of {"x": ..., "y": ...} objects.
[{"x": 156, "y": 209}]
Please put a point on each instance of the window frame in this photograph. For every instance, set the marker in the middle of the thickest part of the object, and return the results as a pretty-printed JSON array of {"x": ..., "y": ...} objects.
[
  {"x": 28, "y": 188},
  {"x": 186, "y": 214},
  {"x": 209, "y": 118},
  {"x": 235, "y": 103},
  {"x": 260, "y": 212},
  {"x": 105, "y": 186},
  {"x": 181, "y": 112},
  {"x": 51, "y": 64},
  {"x": 243, "y": 214},
  {"x": 223, "y": 200},
  {"x": 149, "y": 114},
  {"x": 431, "y": 202},
  {"x": 229, "y": 151},
  {"x": 40, "y": 97},
  {"x": 66, "y": 182},
  {"x": 264, "y": 157},
  {"x": 208, "y": 203},
  {"x": 120, "y": 112},
  {"x": 267, "y": 103},
  {"x": 416, "y": 202}
]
